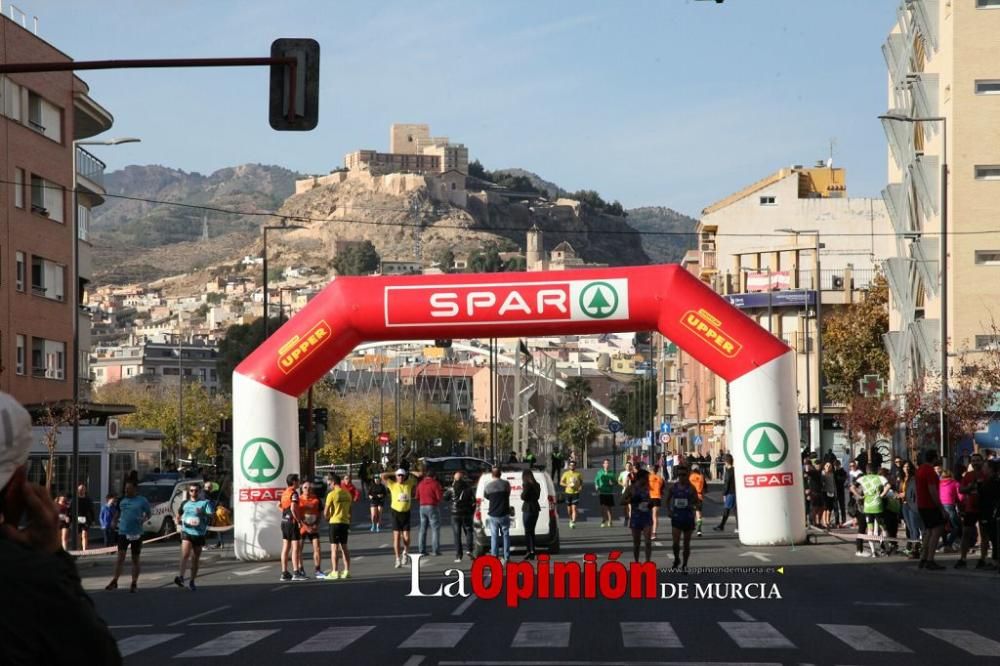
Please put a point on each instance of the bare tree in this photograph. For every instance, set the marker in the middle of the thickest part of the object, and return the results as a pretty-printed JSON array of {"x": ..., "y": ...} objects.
[{"x": 55, "y": 416}]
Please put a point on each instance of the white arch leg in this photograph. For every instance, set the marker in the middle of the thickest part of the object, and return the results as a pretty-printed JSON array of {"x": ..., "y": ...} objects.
[
  {"x": 265, "y": 451},
  {"x": 765, "y": 447}
]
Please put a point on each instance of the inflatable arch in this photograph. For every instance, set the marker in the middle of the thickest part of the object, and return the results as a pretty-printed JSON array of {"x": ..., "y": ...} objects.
[{"x": 350, "y": 311}]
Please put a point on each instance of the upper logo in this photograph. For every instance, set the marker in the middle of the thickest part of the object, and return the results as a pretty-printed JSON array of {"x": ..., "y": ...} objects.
[
  {"x": 261, "y": 460},
  {"x": 709, "y": 329},
  {"x": 765, "y": 445},
  {"x": 300, "y": 347},
  {"x": 598, "y": 300}
]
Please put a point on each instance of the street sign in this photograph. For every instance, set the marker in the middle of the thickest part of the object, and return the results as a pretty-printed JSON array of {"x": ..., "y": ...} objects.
[
  {"x": 697, "y": 440},
  {"x": 112, "y": 428},
  {"x": 872, "y": 386},
  {"x": 665, "y": 427},
  {"x": 615, "y": 426},
  {"x": 383, "y": 438},
  {"x": 664, "y": 438}
]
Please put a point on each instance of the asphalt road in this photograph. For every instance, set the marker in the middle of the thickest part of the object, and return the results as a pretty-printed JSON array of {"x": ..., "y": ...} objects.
[{"x": 834, "y": 609}]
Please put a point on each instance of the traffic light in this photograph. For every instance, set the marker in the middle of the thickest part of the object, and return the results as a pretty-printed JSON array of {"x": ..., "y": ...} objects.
[
  {"x": 444, "y": 344},
  {"x": 321, "y": 416},
  {"x": 643, "y": 338},
  {"x": 305, "y": 114}
]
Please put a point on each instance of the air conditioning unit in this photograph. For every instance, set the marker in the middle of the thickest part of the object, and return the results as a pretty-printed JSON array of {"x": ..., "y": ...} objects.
[{"x": 838, "y": 281}]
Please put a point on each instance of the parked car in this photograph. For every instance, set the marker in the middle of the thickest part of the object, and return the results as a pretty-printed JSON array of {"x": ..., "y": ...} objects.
[
  {"x": 165, "y": 495},
  {"x": 444, "y": 468},
  {"x": 547, "y": 528}
]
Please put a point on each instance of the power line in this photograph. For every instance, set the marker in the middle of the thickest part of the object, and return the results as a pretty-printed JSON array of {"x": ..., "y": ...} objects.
[{"x": 438, "y": 225}]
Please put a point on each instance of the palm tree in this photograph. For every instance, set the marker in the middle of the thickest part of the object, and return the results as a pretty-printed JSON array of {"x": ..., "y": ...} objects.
[{"x": 577, "y": 391}]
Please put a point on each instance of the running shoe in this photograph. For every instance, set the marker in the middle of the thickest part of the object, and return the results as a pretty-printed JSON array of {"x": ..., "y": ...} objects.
[
  {"x": 132, "y": 588},
  {"x": 372, "y": 529},
  {"x": 285, "y": 576},
  {"x": 960, "y": 564},
  {"x": 319, "y": 574},
  {"x": 192, "y": 586},
  {"x": 677, "y": 563},
  {"x": 933, "y": 566},
  {"x": 113, "y": 585},
  {"x": 572, "y": 525},
  {"x": 333, "y": 575},
  {"x": 399, "y": 563},
  {"x": 698, "y": 532},
  {"x": 378, "y": 528},
  {"x": 862, "y": 554},
  {"x": 717, "y": 528},
  {"x": 297, "y": 577},
  {"x": 457, "y": 560},
  {"x": 178, "y": 581},
  {"x": 345, "y": 574}
]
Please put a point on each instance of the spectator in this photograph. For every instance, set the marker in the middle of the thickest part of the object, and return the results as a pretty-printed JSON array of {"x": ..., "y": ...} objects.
[
  {"x": 814, "y": 492},
  {"x": 971, "y": 515},
  {"x": 429, "y": 495},
  {"x": 911, "y": 516},
  {"x": 497, "y": 494},
  {"x": 348, "y": 485},
  {"x": 62, "y": 506},
  {"x": 840, "y": 486},
  {"x": 462, "y": 496},
  {"x": 948, "y": 488},
  {"x": 931, "y": 512},
  {"x": 531, "y": 492},
  {"x": 84, "y": 508},
  {"x": 829, "y": 481},
  {"x": 107, "y": 518}
]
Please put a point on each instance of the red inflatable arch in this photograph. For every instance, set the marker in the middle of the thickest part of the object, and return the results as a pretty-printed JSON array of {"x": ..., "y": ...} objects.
[{"x": 350, "y": 311}]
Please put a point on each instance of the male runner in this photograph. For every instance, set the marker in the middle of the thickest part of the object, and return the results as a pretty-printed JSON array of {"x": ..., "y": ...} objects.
[
  {"x": 291, "y": 537},
  {"x": 728, "y": 492},
  {"x": 680, "y": 508},
  {"x": 338, "y": 512},
  {"x": 193, "y": 516},
  {"x": 133, "y": 511},
  {"x": 871, "y": 489},
  {"x": 625, "y": 479},
  {"x": 697, "y": 480},
  {"x": 572, "y": 483},
  {"x": 401, "y": 495},
  {"x": 930, "y": 508},
  {"x": 604, "y": 482},
  {"x": 309, "y": 506},
  {"x": 655, "y": 496}
]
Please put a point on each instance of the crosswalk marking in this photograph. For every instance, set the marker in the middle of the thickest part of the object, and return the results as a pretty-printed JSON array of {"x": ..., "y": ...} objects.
[
  {"x": 437, "y": 635},
  {"x": 333, "y": 639},
  {"x": 649, "y": 634},
  {"x": 863, "y": 638},
  {"x": 227, "y": 644},
  {"x": 542, "y": 634},
  {"x": 133, "y": 644},
  {"x": 969, "y": 641},
  {"x": 756, "y": 635}
]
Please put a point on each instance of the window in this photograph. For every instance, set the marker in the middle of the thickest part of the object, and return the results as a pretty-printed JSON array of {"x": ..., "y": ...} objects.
[
  {"x": 988, "y": 87},
  {"x": 987, "y": 4},
  {"x": 48, "y": 358},
  {"x": 35, "y": 112},
  {"x": 83, "y": 222},
  {"x": 47, "y": 279},
  {"x": 767, "y": 201},
  {"x": 44, "y": 117},
  {"x": 19, "y": 367},
  {"x": 19, "y": 188},
  {"x": 38, "y": 195},
  {"x": 19, "y": 271},
  {"x": 988, "y": 172},
  {"x": 988, "y": 257},
  {"x": 12, "y": 100},
  {"x": 46, "y": 198},
  {"x": 987, "y": 342}
]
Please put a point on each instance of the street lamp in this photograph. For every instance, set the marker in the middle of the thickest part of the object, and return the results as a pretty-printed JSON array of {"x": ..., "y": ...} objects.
[
  {"x": 942, "y": 259},
  {"x": 75, "y": 465},
  {"x": 284, "y": 226},
  {"x": 819, "y": 330}
]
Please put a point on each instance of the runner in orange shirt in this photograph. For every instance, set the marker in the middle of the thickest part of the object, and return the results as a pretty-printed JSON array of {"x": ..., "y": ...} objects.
[
  {"x": 655, "y": 495},
  {"x": 310, "y": 507},
  {"x": 697, "y": 480}
]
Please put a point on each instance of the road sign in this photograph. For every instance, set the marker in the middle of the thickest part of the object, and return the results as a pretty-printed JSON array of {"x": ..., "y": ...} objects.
[
  {"x": 697, "y": 440},
  {"x": 383, "y": 438},
  {"x": 665, "y": 427},
  {"x": 112, "y": 428},
  {"x": 664, "y": 438},
  {"x": 615, "y": 426}
]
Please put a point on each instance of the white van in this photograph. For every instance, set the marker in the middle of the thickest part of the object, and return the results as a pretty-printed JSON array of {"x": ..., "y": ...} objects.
[
  {"x": 547, "y": 528},
  {"x": 165, "y": 496}
]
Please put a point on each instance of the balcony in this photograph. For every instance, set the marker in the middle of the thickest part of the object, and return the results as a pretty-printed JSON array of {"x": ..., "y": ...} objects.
[{"x": 89, "y": 167}]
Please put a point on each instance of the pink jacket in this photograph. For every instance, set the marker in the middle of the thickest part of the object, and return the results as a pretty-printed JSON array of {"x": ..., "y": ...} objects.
[{"x": 948, "y": 489}]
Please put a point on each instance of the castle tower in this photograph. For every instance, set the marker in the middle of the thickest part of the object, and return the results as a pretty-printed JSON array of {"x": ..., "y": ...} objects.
[{"x": 534, "y": 256}]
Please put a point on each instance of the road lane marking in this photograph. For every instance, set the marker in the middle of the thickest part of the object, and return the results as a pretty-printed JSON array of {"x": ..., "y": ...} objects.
[
  {"x": 649, "y": 634},
  {"x": 863, "y": 638},
  {"x": 312, "y": 619},
  {"x": 437, "y": 635},
  {"x": 464, "y": 606},
  {"x": 564, "y": 662},
  {"x": 129, "y": 626},
  {"x": 132, "y": 644},
  {"x": 743, "y": 615},
  {"x": 542, "y": 635},
  {"x": 969, "y": 641},
  {"x": 227, "y": 644},
  {"x": 755, "y": 635},
  {"x": 383, "y": 545},
  {"x": 254, "y": 571},
  {"x": 414, "y": 660},
  {"x": 892, "y": 604},
  {"x": 333, "y": 639},
  {"x": 195, "y": 617}
]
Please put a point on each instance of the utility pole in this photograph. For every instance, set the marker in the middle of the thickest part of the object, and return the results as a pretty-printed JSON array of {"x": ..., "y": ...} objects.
[{"x": 516, "y": 426}]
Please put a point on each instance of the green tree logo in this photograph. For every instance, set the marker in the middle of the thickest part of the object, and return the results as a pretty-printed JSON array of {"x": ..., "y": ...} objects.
[
  {"x": 598, "y": 300},
  {"x": 765, "y": 452},
  {"x": 261, "y": 460}
]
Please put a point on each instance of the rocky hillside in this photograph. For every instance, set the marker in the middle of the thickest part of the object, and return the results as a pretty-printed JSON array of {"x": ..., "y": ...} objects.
[{"x": 666, "y": 234}]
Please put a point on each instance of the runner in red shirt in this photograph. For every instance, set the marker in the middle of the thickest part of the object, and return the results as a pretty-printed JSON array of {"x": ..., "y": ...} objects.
[{"x": 931, "y": 510}]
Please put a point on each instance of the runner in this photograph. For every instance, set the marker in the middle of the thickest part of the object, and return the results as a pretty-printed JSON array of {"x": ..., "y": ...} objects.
[
  {"x": 572, "y": 483},
  {"x": 376, "y": 500},
  {"x": 133, "y": 511},
  {"x": 338, "y": 512},
  {"x": 291, "y": 537},
  {"x": 625, "y": 479},
  {"x": 192, "y": 516},
  {"x": 638, "y": 497},
  {"x": 400, "y": 494},
  {"x": 680, "y": 508},
  {"x": 697, "y": 481},
  {"x": 604, "y": 482},
  {"x": 655, "y": 496},
  {"x": 728, "y": 492},
  {"x": 309, "y": 506},
  {"x": 871, "y": 489},
  {"x": 931, "y": 512},
  {"x": 84, "y": 515}
]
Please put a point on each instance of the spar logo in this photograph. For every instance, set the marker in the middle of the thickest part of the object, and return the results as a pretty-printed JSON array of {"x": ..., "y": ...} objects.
[
  {"x": 261, "y": 460},
  {"x": 506, "y": 303},
  {"x": 768, "y": 480},
  {"x": 300, "y": 347},
  {"x": 765, "y": 445},
  {"x": 709, "y": 329}
]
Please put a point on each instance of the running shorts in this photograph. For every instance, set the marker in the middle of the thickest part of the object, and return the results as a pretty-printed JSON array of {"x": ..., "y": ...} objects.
[
  {"x": 197, "y": 540},
  {"x": 932, "y": 518},
  {"x": 607, "y": 499},
  {"x": 290, "y": 531},
  {"x": 340, "y": 531},
  {"x": 124, "y": 543},
  {"x": 400, "y": 521},
  {"x": 572, "y": 499}
]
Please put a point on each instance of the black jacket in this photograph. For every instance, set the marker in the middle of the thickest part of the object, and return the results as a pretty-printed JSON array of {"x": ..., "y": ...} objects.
[
  {"x": 462, "y": 496},
  {"x": 46, "y": 617},
  {"x": 530, "y": 496}
]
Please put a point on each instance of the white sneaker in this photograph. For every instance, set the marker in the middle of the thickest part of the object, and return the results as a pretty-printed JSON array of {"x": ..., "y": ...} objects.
[
  {"x": 862, "y": 554},
  {"x": 399, "y": 563},
  {"x": 457, "y": 560}
]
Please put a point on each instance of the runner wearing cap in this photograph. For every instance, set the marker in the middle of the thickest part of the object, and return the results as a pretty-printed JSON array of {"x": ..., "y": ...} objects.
[
  {"x": 192, "y": 516},
  {"x": 400, "y": 487},
  {"x": 572, "y": 483}
]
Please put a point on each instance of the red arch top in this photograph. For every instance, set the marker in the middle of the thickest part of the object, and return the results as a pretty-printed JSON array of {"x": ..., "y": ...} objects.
[{"x": 352, "y": 310}]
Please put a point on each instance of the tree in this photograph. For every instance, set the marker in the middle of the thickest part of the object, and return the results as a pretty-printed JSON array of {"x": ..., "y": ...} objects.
[
  {"x": 868, "y": 418},
  {"x": 853, "y": 343},
  {"x": 357, "y": 259},
  {"x": 445, "y": 259},
  {"x": 236, "y": 345},
  {"x": 486, "y": 260},
  {"x": 476, "y": 170},
  {"x": 577, "y": 391},
  {"x": 635, "y": 406},
  {"x": 578, "y": 429},
  {"x": 54, "y": 418}
]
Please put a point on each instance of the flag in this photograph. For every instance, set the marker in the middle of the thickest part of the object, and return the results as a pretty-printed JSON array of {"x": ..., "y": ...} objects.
[{"x": 523, "y": 347}]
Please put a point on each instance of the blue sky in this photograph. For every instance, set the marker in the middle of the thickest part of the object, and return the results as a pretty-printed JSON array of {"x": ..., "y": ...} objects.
[{"x": 669, "y": 102}]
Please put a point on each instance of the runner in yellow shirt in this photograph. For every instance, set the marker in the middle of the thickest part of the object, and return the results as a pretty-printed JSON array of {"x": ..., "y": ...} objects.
[
  {"x": 400, "y": 495},
  {"x": 338, "y": 511},
  {"x": 572, "y": 483}
]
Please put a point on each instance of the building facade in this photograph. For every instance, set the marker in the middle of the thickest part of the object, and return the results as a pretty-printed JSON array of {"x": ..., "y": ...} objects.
[
  {"x": 156, "y": 362},
  {"x": 42, "y": 115},
  {"x": 942, "y": 66}
]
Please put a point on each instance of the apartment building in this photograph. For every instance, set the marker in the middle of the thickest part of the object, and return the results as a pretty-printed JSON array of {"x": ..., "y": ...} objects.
[
  {"x": 760, "y": 248},
  {"x": 42, "y": 115},
  {"x": 942, "y": 67},
  {"x": 156, "y": 362}
]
